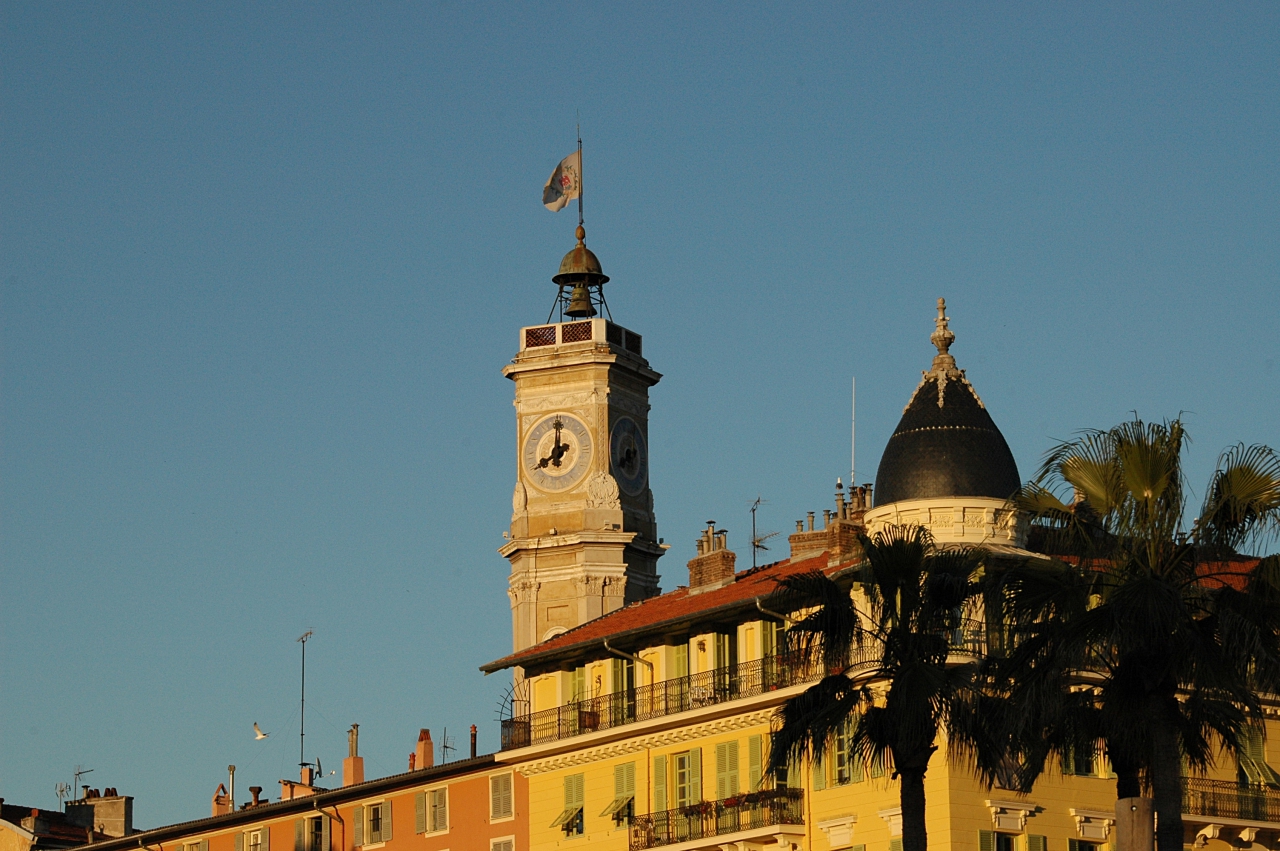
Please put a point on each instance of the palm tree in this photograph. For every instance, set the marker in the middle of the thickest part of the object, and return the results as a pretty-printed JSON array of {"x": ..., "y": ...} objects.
[
  {"x": 894, "y": 630},
  {"x": 1177, "y": 632}
]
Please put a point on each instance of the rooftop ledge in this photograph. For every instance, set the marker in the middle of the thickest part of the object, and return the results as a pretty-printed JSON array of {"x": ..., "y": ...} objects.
[{"x": 581, "y": 331}]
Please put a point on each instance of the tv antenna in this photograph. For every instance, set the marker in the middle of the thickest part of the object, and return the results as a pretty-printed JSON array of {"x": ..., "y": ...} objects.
[
  {"x": 302, "y": 722},
  {"x": 758, "y": 540},
  {"x": 446, "y": 746},
  {"x": 80, "y": 771},
  {"x": 63, "y": 791}
]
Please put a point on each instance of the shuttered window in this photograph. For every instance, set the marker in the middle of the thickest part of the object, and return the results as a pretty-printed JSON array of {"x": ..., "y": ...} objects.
[
  {"x": 420, "y": 812},
  {"x": 437, "y": 810},
  {"x": 659, "y": 784},
  {"x": 377, "y": 823},
  {"x": 257, "y": 839},
  {"x": 571, "y": 819},
  {"x": 986, "y": 840},
  {"x": 502, "y": 845},
  {"x": 755, "y": 762},
  {"x": 1036, "y": 843},
  {"x": 895, "y": 844},
  {"x": 689, "y": 777},
  {"x": 819, "y": 771},
  {"x": 309, "y": 834},
  {"x": 622, "y": 807},
  {"x": 726, "y": 770},
  {"x": 357, "y": 826},
  {"x": 501, "y": 796}
]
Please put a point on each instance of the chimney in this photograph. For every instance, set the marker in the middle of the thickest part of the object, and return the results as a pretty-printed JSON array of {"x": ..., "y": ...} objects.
[
  {"x": 256, "y": 791},
  {"x": 353, "y": 765},
  {"x": 426, "y": 750},
  {"x": 221, "y": 801},
  {"x": 713, "y": 566},
  {"x": 473, "y": 741},
  {"x": 413, "y": 758}
]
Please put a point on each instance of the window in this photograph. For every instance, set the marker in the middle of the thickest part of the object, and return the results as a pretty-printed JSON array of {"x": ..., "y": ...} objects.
[
  {"x": 437, "y": 810},
  {"x": 506, "y": 843},
  {"x": 1080, "y": 845},
  {"x": 501, "y": 799},
  {"x": 726, "y": 770},
  {"x": 847, "y": 767},
  {"x": 1080, "y": 760},
  {"x": 755, "y": 759},
  {"x": 688, "y": 771},
  {"x": 253, "y": 840},
  {"x": 372, "y": 823},
  {"x": 578, "y": 685},
  {"x": 311, "y": 834},
  {"x": 989, "y": 840},
  {"x": 570, "y": 819},
  {"x": 623, "y": 806}
]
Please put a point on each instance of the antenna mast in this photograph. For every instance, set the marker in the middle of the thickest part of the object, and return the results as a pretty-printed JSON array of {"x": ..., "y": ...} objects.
[
  {"x": 853, "y": 435},
  {"x": 302, "y": 724}
]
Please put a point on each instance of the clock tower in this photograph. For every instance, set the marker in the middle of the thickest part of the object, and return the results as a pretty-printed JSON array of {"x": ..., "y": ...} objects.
[{"x": 583, "y": 538}]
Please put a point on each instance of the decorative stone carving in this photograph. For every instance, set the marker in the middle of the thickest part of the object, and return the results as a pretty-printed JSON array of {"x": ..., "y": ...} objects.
[
  {"x": 839, "y": 830},
  {"x": 602, "y": 492},
  {"x": 893, "y": 818},
  {"x": 1094, "y": 825},
  {"x": 558, "y": 402},
  {"x": 1011, "y": 815}
]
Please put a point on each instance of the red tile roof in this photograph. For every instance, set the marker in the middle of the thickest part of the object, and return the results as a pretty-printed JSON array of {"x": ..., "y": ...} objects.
[{"x": 666, "y": 610}]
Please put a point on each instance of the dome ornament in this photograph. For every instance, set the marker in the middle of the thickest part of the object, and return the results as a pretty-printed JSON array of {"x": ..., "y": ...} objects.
[{"x": 943, "y": 337}]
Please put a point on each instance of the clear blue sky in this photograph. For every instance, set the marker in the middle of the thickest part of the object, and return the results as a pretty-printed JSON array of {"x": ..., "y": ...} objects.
[{"x": 262, "y": 265}]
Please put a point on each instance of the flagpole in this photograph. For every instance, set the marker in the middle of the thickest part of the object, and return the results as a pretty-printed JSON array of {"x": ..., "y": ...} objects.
[{"x": 581, "y": 182}]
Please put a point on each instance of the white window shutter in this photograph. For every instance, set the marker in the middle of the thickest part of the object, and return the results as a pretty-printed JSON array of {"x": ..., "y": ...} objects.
[
  {"x": 357, "y": 827},
  {"x": 386, "y": 820}
]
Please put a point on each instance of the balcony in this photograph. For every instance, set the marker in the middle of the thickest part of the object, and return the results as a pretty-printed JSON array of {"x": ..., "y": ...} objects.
[
  {"x": 754, "y": 819},
  {"x": 668, "y": 697},
  {"x": 1217, "y": 800},
  {"x": 581, "y": 331},
  {"x": 663, "y": 698}
]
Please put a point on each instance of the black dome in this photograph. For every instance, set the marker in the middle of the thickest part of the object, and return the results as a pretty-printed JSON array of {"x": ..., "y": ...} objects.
[{"x": 946, "y": 444}]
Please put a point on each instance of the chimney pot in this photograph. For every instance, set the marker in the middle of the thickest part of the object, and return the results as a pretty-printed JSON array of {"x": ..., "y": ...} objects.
[
  {"x": 473, "y": 741},
  {"x": 255, "y": 791}
]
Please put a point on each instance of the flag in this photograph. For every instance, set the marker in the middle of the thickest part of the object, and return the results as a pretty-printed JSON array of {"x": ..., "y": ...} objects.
[{"x": 565, "y": 183}]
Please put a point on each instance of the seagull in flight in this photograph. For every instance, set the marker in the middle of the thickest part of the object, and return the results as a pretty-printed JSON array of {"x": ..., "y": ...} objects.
[{"x": 258, "y": 735}]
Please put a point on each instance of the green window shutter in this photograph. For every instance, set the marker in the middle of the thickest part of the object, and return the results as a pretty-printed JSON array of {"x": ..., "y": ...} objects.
[
  {"x": 858, "y": 848},
  {"x": 877, "y": 770},
  {"x": 659, "y": 784},
  {"x": 624, "y": 780},
  {"x": 266, "y": 838},
  {"x": 819, "y": 773},
  {"x": 240, "y": 842},
  {"x": 895, "y": 844},
  {"x": 695, "y": 774},
  {"x": 420, "y": 812},
  {"x": 722, "y": 771},
  {"x": 755, "y": 762},
  {"x": 300, "y": 835},
  {"x": 386, "y": 820},
  {"x": 1036, "y": 843},
  {"x": 1073, "y": 845},
  {"x": 579, "y": 789},
  {"x": 987, "y": 840},
  {"x": 204, "y": 845},
  {"x": 324, "y": 835},
  {"x": 733, "y": 769},
  {"x": 357, "y": 827}
]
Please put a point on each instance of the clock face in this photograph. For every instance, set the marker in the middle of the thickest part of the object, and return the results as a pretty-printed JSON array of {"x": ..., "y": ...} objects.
[
  {"x": 629, "y": 456},
  {"x": 557, "y": 452}
]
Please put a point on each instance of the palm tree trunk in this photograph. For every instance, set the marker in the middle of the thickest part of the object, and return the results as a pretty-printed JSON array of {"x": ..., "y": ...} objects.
[
  {"x": 1166, "y": 775},
  {"x": 914, "y": 837},
  {"x": 1128, "y": 784}
]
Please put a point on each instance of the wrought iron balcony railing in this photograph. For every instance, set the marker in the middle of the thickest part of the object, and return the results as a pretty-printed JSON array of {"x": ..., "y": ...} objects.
[
  {"x": 1224, "y": 799},
  {"x": 707, "y": 688},
  {"x": 766, "y": 808}
]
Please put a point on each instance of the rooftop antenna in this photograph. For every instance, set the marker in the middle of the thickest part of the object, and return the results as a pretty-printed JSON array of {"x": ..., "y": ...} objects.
[
  {"x": 757, "y": 540},
  {"x": 62, "y": 790},
  {"x": 853, "y": 435},
  {"x": 446, "y": 746},
  {"x": 302, "y": 724},
  {"x": 79, "y": 772}
]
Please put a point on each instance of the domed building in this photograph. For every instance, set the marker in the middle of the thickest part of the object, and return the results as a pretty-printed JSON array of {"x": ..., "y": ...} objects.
[{"x": 947, "y": 466}]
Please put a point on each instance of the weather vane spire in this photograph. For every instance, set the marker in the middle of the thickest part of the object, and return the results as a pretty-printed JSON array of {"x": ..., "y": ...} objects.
[{"x": 943, "y": 337}]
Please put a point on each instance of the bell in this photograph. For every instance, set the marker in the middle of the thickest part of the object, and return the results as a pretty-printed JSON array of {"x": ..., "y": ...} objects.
[{"x": 580, "y": 302}]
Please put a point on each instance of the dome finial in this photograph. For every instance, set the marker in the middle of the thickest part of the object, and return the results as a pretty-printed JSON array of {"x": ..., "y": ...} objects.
[{"x": 943, "y": 337}]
